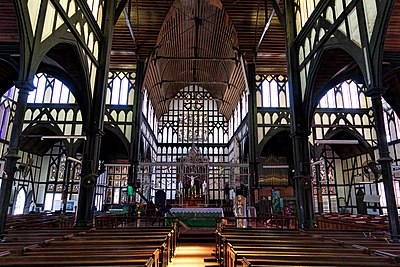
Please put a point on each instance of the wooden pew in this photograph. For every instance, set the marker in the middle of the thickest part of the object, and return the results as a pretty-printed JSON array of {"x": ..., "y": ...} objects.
[
  {"x": 81, "y": 260},
  {"x": 352, "y": 221},
  {"x": 74, "y": 257},
  {"x": 129, "y": 246},
  {"x": 298, "y": 248},
  {"x": 245, "y": 262},
  {"x": 375, "y": 242},
  {"x": 249, "y": 232},
  {"x": 40, "y": 220},
  {"x": 16, "y": 239}
]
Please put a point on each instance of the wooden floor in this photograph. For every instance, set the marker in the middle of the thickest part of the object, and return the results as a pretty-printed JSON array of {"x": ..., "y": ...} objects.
[{"x": 192, "y": 255}]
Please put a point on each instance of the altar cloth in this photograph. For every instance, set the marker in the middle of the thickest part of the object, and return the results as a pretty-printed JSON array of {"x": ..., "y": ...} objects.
[{"x": 207, "y": 217}]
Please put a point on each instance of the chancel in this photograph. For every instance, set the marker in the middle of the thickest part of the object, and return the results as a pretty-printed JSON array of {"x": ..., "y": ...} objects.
[{"x": 264, "y": 132}]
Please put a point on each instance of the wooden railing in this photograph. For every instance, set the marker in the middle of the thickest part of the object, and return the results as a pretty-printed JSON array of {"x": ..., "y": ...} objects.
[{"x": 125, "y": 220}]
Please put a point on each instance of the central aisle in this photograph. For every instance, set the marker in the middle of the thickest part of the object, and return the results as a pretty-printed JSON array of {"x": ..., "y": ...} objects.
[{"x": 192, "y": 255}]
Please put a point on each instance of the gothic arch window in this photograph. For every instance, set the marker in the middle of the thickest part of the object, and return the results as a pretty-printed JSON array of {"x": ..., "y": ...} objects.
[
  {"x": 50, "y": 90},
  {"x": 20, "y": 202},
  {"x": 62, "y": 178},
  {"x": 344, "y": 106},
  {"x": 120, "y": 88},
  {"x": 392, "y": 127},
  {"x": 303, "y": 11},
  {"x": 392, "y": 122},
  {"x": 96, "y": 6},
  {"x": 7, "y": 108},
  {"x": 347, "y": 94},
  {"x": 272, "y": 91},
  {"x": 193, "y": 118},
  {"x": 67, "y": 118}
]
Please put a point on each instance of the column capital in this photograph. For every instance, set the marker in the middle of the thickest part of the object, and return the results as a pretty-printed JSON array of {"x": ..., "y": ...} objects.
[
  {"x": 24, "y": 85},
  {"x": 385, "y": 160},
  {"x": 375, "y": 92},
  {"x": 11, "y": 154}
]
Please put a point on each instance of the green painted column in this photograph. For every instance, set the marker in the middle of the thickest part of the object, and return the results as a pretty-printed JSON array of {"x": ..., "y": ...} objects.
[
  {"x": 253, "y": 140},
  {"x": 12, "y": 153},
  {"x": 299, "y": 131},
  {"x": 136, "y": 126},
  {"x": 94, "y": 133},
  {"x": 385, "y": 161}
]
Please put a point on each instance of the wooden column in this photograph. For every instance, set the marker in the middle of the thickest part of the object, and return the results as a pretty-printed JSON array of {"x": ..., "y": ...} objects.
[
  {"x": 12, "y": 153},
  {"x": 253, "y": 164},
  {"x": 90, "y": 162},
  {"x": 298, "y": 124},
  {"x": 385, "y": 161},
  {"x": 136, "y": 125}
]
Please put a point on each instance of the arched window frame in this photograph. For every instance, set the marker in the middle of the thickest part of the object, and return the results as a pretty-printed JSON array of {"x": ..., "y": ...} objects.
[
  {"x": 272, "y": 91},
  {"x": 19, "y": 207},
  {"x": 50, "y": 90}
]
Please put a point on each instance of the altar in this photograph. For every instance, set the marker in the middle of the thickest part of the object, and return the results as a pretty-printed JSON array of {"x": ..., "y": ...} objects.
[{"x": 198, "y": 217}]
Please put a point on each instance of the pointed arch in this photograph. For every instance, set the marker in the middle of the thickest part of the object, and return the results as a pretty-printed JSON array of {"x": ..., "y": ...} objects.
[
  {"x": 66, "y": 62},
  {"x": 334, "y": 64},
  {"x": 346, "y": 151},
  {"x": 31, "y": 138},
  {"x": 273, "y": 133},
  {"x": 114, "y": 145},
  {"x": 8, "y": 74}
]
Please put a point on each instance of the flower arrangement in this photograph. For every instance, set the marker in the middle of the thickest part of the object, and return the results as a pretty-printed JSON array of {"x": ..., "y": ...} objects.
[{"x": 139, "y": 207}]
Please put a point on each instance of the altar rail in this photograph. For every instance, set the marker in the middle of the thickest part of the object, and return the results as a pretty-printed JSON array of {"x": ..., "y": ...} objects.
[{"x": 121, "y": 220}]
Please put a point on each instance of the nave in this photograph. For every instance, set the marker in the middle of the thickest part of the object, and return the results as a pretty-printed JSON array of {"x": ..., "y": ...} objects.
[
  {"x": 127, "y": 124},
  {"x": 135, "y": 244}
]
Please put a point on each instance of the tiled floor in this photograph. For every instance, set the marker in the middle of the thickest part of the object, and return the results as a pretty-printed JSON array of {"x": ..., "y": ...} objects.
[{"x": 191, "y": 255}]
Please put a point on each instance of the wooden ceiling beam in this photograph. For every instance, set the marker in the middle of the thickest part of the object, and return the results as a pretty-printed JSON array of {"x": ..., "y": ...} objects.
[
  {"x": 266, "y": 26},
  {"x": 194, "y": 58},
  {"x": 119, "y": 10},
  {"x": 128, "y": 23},
  {"x": 195, "y": 82},
  {"x": 279, "y": 13}
]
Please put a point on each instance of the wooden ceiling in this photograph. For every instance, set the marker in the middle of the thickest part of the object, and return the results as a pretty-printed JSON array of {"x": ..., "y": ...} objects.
[
  {"x": 198, "y": 42},
  {"x": 153, "y": 30},
  {"x": 392, "y": 43},
  {"x": 8, "y": 22},
  {"x": 248, "y": 18},
  {"x": 226, "y": 30}
]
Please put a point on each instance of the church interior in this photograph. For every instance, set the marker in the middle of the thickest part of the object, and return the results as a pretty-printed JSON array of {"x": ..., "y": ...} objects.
[{"x": 248, "y": 132}]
